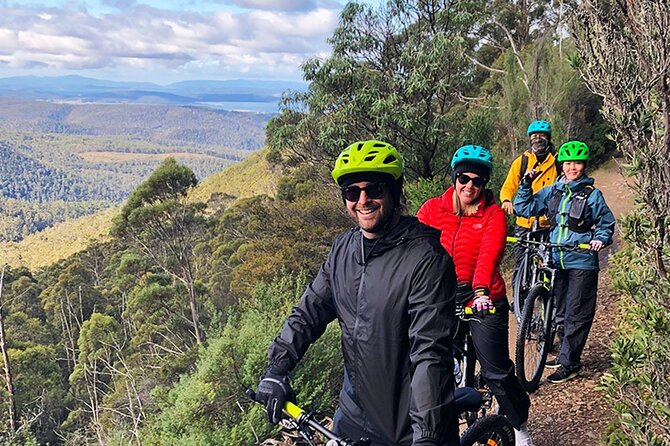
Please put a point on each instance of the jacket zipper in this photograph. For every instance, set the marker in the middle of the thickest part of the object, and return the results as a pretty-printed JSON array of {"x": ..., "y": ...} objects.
[{"x": 354, "y": 376}]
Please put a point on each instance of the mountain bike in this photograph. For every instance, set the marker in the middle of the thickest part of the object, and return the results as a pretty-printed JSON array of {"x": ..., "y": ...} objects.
[
  {"x": 523, "y": 277},
  {"x": 474, "y": 400},
  {"x": 537, "y": 328},
  {"x": 490, "y": 430},
  {"x": 466, "y": 371}
]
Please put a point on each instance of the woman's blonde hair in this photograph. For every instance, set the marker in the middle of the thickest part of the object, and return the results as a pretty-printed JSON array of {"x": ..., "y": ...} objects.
[{"x": 468, "y": 209}]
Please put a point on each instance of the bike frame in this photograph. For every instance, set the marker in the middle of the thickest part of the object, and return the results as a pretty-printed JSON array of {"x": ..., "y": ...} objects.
[
  {"x": 544, "y": 329},
  {"x": 465, "y": 348},
  {"x": 524, "y": 276}
]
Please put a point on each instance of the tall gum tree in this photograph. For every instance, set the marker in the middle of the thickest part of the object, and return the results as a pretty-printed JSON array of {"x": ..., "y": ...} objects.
[
  {"x": 398, "y": 73},
  {"x": 160, "y": 221}
]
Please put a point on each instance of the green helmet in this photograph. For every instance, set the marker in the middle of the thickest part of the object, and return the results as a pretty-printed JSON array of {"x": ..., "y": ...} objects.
[
  {"x": 368, "y": 156},
  {"x": 573, "y": 151}
]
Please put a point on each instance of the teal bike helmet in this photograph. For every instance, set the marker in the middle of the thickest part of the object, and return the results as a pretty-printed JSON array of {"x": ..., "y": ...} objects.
[
  {"x": 471, "y": 158},
  {"x": 473, "y": 154},
  {"x": 539, "y": 127}
]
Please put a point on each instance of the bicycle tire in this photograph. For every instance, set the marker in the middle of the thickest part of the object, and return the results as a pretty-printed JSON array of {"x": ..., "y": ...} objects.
[
  {"x": 522, "y": 283},
  {"x": 532, "y": 341},
  {"x": 519, "y": 290},
  {"x": 492, "y": 430}
]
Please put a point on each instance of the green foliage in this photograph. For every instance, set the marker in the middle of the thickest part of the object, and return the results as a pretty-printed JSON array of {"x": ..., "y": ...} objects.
[
  {"x": 638, "y": 383},
  {"x": 209, "y": 407},
  {"x": 395, "y": 74},
  {"x": 40, "y": 390},
  {"x": 170, "y": 181},
  {"x": 419, "y": 192},
  {"x": 64, "y": 161}
]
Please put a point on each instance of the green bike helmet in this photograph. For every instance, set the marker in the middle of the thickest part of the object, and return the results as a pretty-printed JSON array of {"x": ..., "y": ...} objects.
[
  {"x": 375, "y": 157},
  {"x": 573, "y": 151},
  {"x": 539, "y": 127}
]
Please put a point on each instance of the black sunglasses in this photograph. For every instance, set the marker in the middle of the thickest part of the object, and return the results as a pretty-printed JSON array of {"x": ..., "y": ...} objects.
[
  {"x": 476, "y": 182},
  {"x": 373, "y": 191}
]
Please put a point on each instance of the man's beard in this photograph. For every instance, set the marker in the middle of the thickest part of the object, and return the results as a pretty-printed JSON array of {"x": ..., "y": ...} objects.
[{"x": 540, "y": 147}]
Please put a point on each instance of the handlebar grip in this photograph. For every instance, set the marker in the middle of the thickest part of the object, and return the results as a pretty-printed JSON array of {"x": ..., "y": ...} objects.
[
  {"x": 292, "y": 410},
  {"x": 468, "y": 310},
  {"x": 584, "y": 246},
  {"x": 512, "y": 239}
]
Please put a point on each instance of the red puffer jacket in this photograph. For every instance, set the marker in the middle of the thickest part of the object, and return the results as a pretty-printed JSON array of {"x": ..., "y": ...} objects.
[{"x": 475, "y": 242}]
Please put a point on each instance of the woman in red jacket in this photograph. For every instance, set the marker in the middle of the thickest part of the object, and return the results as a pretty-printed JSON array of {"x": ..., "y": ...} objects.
[{"x": 473, "y": 232}]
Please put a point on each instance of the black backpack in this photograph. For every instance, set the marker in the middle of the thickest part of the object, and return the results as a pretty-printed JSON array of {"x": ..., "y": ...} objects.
[{"x": 577, "y": 221}]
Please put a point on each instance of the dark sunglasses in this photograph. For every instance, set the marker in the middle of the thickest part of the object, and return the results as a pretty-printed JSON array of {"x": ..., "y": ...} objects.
[
  {"x": 465, "y": 179},
  {"x": 373, "y": 191}
]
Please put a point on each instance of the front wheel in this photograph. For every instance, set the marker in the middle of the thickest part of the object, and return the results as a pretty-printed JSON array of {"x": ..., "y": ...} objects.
[
  {"x": 492, "y": 430},
  {"x": 533, "y": 340}
]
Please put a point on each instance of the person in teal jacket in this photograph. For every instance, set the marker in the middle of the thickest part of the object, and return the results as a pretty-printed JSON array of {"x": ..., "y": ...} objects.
[{"x": 578, "y": 213}]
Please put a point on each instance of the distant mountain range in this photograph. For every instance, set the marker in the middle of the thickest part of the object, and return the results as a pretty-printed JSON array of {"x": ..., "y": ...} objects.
[{"x": 250, "y": 95}]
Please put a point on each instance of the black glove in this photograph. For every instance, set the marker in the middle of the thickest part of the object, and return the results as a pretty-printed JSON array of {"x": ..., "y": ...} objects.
[
  {"x": 274, "y": 391},
  {"x": 464, "y": 293},
  {"x": 481, "y": 305},
  {"x": 528, "y": 177}
]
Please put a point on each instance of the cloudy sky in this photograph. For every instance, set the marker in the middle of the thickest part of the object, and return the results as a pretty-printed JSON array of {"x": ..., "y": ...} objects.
[{"x": 165, "y": 41}]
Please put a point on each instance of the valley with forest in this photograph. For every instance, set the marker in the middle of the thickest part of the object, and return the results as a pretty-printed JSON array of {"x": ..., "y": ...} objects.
[{"x": 151, "y": 252}]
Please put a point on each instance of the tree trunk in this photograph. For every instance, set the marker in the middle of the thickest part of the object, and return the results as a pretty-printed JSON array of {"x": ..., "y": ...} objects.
[
  {"x": 11, "y": 403},
  {"x": 188, "y": 274}
]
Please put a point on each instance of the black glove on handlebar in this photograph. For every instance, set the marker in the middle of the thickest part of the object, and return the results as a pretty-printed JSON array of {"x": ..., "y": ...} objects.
[{"x": 274, "y": 391}]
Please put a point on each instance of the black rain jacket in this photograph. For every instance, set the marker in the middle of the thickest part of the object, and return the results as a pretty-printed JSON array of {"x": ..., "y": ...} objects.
[{"x": 396, "y": 312}]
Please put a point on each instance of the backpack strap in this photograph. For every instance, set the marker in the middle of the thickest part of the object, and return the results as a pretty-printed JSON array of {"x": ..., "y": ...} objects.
[{"x": 524, "y": 165}]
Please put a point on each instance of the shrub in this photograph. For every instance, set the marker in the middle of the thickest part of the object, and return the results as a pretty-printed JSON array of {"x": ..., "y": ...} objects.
[
  {"x": 638, "y": 384},
  {"x": 209, "y": 407}
]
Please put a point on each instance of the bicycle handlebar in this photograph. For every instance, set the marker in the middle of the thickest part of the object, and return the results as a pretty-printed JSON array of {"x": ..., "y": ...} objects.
[
  {"x": 584, "y": 246},
  {"x": 300, "y": 418}
]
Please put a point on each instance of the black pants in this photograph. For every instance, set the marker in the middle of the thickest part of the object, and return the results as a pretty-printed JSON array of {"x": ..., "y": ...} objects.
[
  {"x": 519, "y": 250},
  {"x": 576, "y": 291},
  {"x": 491, "y": 341}
]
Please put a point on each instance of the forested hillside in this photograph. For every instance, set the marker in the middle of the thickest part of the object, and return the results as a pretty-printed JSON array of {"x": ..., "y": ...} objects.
[
  {"x": 247, "y": 178},
  {"x": 149, "y": 337},
  {"x": 65, "y": 160}
]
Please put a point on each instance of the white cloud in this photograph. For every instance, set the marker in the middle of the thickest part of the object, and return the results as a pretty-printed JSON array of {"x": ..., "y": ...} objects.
[
  {"x": 277, "y": 5},
  {"x": 263, "y": 41}
]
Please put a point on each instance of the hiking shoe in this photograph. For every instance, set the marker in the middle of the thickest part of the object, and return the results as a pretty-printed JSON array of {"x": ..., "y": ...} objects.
[
  {"x": 522, "y": 437},
  {"x": 562, "y": 374},
  {"x": 552, "y": 364}
]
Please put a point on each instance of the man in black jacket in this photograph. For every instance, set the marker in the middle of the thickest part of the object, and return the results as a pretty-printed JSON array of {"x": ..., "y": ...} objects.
[{"x": 390, "y": 285}]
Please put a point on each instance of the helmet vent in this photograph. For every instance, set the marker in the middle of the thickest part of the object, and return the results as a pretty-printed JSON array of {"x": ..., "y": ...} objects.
[
  {"x": 370, "y": 157},
  {"x": 389, "y": 159},
  {"x": 360, "y": 146}
]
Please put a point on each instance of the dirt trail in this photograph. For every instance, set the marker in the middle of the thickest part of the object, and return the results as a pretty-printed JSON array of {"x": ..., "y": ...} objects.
[{"x": 575, "y": 412}]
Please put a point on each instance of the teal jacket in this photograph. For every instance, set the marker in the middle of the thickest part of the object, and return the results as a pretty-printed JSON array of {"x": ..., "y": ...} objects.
[{"x": 526, "y": 204}]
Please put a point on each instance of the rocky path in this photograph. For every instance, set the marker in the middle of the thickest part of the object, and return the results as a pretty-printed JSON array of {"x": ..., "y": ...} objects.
[{"x": 575, "y": 412}]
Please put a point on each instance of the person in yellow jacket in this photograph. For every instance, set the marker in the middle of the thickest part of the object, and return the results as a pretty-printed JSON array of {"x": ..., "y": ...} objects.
[{"x": 541, "y": 159}]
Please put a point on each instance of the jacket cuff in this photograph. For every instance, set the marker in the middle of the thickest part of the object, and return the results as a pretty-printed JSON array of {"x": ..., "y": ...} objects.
[{"x": 280, "y": 366}]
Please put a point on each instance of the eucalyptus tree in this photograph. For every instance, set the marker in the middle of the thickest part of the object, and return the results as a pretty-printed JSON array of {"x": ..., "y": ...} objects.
[
  {"x": 163, "y": 225},
  {"x": 398, "y": 72}
]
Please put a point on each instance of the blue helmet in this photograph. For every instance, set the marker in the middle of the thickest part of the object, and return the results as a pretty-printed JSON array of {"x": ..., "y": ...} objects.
[
  {"x": 473, "y": 154},
  {"x": 539, "y": 127}
]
